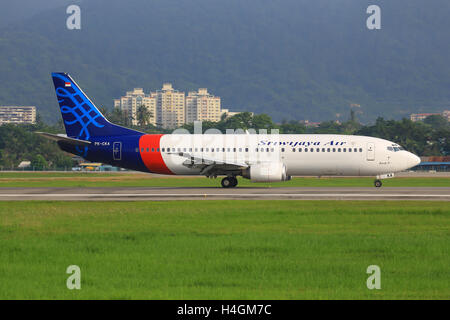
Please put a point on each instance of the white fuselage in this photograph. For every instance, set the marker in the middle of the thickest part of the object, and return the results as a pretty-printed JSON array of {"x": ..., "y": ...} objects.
[{"x": 302, "y": 154}]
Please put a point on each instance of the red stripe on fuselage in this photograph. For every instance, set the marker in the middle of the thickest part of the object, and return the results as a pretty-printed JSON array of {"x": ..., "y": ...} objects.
[{"x": 153, "y": 159}]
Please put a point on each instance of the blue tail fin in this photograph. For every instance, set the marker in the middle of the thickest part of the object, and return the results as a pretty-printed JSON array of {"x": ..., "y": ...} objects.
[{"x": 81, "y": 117}]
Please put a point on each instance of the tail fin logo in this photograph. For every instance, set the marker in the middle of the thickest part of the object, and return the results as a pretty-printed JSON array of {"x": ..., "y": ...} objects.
[{"x": 79, "y": 114}]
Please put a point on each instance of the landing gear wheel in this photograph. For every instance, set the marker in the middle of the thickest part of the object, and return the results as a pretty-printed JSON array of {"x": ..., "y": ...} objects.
[
  {"x": 378, "y": 183},
  {"x": 229, "y": 182}
]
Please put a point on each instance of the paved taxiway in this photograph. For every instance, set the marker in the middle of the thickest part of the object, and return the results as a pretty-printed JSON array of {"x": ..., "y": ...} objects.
[{"x": 136, "y": 194}]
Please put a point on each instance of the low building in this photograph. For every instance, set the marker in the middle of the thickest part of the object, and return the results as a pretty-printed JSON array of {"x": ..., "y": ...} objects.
[
  {"x": 446, "y": 114},
  {"x": 422, "y": 116},
  {"x": 17, "y": 114},
  {"x": 229, "y": 114},
  {"x": 435, "y": 163},
  {"x": 310, "y": 124}
]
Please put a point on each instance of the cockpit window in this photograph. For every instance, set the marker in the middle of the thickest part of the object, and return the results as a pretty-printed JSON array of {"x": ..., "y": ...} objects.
[{"x": 395, "y": 148}]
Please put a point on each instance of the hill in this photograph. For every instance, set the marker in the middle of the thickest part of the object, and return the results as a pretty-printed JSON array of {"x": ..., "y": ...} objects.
[{"x": 292, "y": 59}]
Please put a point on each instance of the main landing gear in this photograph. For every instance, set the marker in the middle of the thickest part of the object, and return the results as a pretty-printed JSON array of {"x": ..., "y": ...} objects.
[
  {"x": 229, "y": 182},
  {"x": 378, "y": 183}
]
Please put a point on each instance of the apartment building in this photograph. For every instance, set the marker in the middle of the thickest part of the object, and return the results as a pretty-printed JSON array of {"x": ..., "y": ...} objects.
[
  {"x": 17, "y": 114},
  {"x": 133, "y": 100},
  {"x": 202, "y": 106},
  {"x": 170, "y": 107}
]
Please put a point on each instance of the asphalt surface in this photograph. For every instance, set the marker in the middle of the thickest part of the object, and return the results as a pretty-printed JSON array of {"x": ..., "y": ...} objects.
[{"x": 139, "y": 194}]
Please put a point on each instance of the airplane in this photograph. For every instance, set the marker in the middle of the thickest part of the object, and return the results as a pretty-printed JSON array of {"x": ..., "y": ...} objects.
[{"x": 258, "y": 157}]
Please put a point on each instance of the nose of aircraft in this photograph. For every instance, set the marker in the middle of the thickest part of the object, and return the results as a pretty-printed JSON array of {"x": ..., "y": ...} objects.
[{"x": 412, "y": 160}]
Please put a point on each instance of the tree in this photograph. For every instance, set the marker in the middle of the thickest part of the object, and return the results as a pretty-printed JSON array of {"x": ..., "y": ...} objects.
[
  {"x": 38, "y": 162},
  {"x": 120, "y": 117},
  {"x": 436, "y": 121},
  {"x": 143, "y": 115},
  {"x": 292, "y": 127}
]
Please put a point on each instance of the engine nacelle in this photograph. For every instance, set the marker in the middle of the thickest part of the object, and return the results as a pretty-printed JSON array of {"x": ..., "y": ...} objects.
[{"x": 267, "y": 172}]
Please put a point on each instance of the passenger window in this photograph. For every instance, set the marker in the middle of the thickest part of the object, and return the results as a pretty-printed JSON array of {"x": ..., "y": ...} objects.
[
  {"x": 360, "y": 149},
  {"x": 299, "y": 149},
  {"x": 349, "y": 149},
  {"x": 355, "y": 150},
  {"x": 157, "y": 149},
  {"x": 234, "y": 149},
  {"x": 271, "y": 150},
  {"x": 318, "y": 149},
  {"x": 339, "y": 149},
  {"x": 228, "y": 149},
  {"x": 217, "y": 149},
  {"x": 179, "y": 149},
  {"x": 207, "y": 149},
  {"x": 246, "y": 149},
  {"x": 147, "y": 149},
  {"x": 312, "y": 149},
  {"x": 223, "y": 149},
  {"x": 162, "y": 149},
  {"x": 328, "y": 149},
  {"x": 267, "y": 149},
  {"x": 212, "y": 149},
  {"x": 282, "y": 149},
  {"x": 323, "y": 149},
  {"x": 240, "y": 149},
  {"x": 345, "y": 149},
  {"x": 293, "y": 149},
  {"x": 184, "y": 150},
  {"x": 334, "y": 149}
]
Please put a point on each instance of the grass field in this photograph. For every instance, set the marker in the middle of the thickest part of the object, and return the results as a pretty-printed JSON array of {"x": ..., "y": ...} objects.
[
  {"x": 225, "y": 249},
  {"x": 83, "y": 180}
]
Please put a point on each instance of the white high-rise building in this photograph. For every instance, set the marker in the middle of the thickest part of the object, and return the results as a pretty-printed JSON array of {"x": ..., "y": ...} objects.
[
  {"x": 170, "y": 107},
  {"x": 131, "y": 102},
  {"x": 17, "y": 114},
  {"x": 202, "y": 106}
]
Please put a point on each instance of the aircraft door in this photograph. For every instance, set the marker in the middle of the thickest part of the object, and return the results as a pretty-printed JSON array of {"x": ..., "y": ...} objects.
[
  {"x": 117, "y": 150},
  {"x": 370, "y": 151}
]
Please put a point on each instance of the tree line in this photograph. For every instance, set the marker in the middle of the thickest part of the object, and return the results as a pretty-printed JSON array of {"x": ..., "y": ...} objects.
[{"x": 430, "y": 137}]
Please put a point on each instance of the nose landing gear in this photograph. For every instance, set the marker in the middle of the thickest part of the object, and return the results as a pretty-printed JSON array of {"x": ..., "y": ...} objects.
[
  {"x": 229, "y": 182},
  {"x": 378, "y": 183}
]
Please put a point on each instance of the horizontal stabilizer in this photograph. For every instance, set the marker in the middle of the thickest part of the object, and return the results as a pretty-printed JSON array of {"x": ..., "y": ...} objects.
[{"x": 64, "y": 138}]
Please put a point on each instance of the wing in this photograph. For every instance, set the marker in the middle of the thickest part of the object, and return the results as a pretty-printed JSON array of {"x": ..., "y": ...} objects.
[
  {"x": 72, "y": 141},
  {"x": 210, "y": 166}
]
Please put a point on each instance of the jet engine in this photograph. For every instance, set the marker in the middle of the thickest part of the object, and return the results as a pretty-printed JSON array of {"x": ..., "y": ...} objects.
[{"x": 267, "y": 172}]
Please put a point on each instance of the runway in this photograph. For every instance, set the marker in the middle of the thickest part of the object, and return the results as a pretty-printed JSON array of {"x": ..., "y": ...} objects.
[{"x": 259, "y": 193}]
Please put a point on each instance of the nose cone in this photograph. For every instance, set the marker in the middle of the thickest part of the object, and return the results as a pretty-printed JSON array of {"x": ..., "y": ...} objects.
[{"x": 412, "y": 160}]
